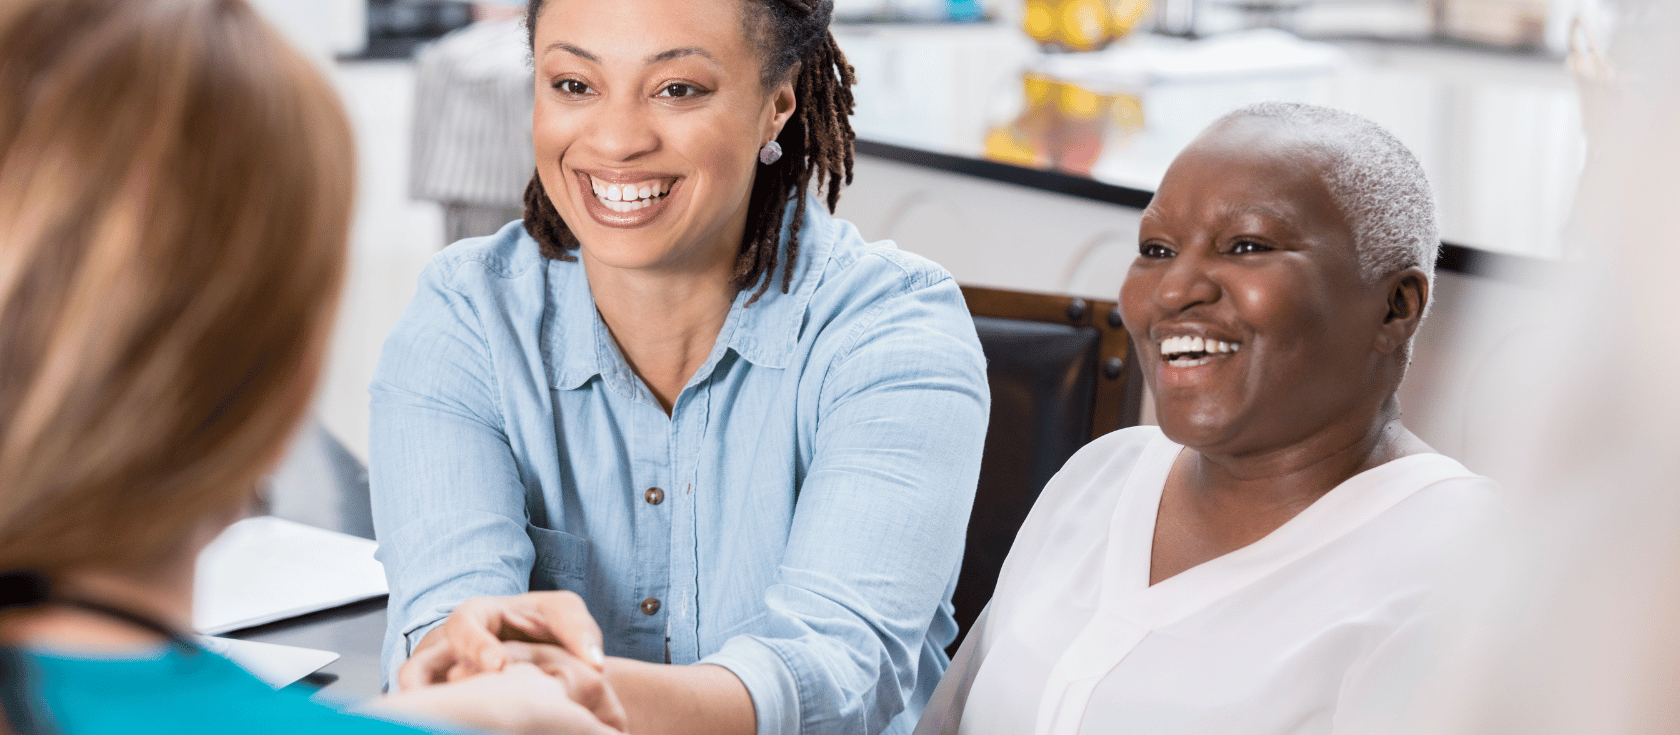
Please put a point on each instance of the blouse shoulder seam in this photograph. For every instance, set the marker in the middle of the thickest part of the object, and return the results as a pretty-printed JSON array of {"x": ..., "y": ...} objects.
[
  {"x": 484, "y": 343},
  {"x": 912, "y": 281},
  {"x": 914, "y": 278},
  {"x": 489, "y": 257}
]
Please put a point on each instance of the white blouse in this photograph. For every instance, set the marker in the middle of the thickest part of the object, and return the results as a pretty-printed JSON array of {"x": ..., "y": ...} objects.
[{"x": 1286, "y": 635}]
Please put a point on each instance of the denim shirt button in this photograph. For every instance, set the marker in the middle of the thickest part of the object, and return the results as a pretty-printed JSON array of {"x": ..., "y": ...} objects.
[
  {"x": 654, "y": 496},
  {"x": 650, "y": 606}
]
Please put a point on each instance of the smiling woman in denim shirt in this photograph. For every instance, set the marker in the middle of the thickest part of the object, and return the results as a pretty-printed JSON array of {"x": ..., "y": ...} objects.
[{"x": 732, "y": 432}]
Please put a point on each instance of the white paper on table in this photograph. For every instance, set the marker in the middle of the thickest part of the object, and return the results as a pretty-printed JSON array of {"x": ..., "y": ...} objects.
[
  {"x": 265, "y": 569},
  {"x": 275, "y": 664}
]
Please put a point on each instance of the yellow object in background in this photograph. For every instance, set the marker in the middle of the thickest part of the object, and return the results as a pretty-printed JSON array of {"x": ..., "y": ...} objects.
[
  {"x": 1080, "y": 25},
  {"x": 1128, "y": 113},
  {"x": 1063, "y": 125},
  {"x": 1078, "y": 102}
]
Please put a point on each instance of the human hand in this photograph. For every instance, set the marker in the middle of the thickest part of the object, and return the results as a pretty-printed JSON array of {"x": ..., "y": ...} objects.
[
  {"x": 583, "y": 682},
  {"x": 471, "y": 640},
  {"x": 520, "y": 699}
]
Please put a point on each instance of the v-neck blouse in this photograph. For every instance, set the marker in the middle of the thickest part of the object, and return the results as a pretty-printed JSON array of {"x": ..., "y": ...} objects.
[{"x": 1282, "y": 636}]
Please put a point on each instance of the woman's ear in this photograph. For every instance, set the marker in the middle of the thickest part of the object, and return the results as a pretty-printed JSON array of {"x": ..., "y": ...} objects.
[
  {"x": 783, "y": 103},
  {"x": 1407, "y": 295}
]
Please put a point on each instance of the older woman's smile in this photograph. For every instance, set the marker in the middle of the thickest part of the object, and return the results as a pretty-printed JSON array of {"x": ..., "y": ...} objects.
[
  {"x": 1191, "y": 351},
  {"x": 1191, "y": 355}
]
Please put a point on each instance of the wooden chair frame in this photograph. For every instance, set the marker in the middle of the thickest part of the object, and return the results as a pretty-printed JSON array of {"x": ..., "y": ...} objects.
[{"x": 1119, "y": 391}]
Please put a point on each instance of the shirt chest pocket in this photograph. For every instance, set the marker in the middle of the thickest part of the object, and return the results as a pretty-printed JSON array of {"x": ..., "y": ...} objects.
[{"x": 562, "y": 560}]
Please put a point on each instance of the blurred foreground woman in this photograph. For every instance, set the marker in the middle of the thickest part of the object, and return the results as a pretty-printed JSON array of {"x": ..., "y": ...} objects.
[
  {"x": 1579, "y": 633},
  {"x": 174, "y": 203}
]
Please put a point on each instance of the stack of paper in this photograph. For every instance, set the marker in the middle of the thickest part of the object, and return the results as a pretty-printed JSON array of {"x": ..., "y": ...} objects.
[
  {"x": 266, "y": 569},
  {"x": 278, "y": 665}
]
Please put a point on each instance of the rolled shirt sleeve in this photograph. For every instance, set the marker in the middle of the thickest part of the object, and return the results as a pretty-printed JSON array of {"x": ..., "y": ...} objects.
[
  {"x": 448, "y": 502},
  {"x": 878, "y": 531}
]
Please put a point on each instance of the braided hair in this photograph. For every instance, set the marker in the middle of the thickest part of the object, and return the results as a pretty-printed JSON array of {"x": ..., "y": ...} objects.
[{"x": 816, "y": 142}]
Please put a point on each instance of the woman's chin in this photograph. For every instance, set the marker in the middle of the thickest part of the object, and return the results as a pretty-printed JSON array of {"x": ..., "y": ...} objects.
[
  {"x": 1198, "y": 427},
  {"x": 624, "y": 253}
]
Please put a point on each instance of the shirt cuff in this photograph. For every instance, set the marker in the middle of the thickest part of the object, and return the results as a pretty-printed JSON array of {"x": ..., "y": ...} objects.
[
  {"x": 769, "y": 680},
  {"x": 413, "y": 637},
  {"x": 399, "y": 653}
]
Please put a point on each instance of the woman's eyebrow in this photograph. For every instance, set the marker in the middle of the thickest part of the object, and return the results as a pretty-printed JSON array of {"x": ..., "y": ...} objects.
[
  {"x": 678, "y": 53},
  {"x": 662, "y": 56},
  {"x": 573, "y": 50},
  {"x": 1270, "y": 215}
]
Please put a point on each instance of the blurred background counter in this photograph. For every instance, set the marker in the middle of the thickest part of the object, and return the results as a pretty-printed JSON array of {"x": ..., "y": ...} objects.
[{"x": 1498, "y": 132}]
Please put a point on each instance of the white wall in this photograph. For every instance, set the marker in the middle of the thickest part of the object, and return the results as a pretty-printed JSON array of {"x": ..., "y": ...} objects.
[
  {"x": 321, "y": 28},
  {"x": 992, "y": 234}
]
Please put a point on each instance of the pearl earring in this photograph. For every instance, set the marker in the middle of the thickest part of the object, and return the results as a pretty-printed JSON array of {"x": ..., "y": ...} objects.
[{"x": 770, "y": 153}]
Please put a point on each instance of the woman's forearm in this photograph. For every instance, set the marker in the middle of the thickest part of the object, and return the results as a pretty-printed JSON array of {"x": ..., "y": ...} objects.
[{"x": 694, "y": 700}]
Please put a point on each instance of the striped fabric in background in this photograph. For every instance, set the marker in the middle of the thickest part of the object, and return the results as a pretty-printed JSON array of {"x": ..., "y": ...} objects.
[{"x": 471, "y": 147}]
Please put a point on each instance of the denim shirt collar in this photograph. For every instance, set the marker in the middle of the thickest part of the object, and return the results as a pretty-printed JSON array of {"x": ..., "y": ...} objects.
[{"x": 578, "y": 346}]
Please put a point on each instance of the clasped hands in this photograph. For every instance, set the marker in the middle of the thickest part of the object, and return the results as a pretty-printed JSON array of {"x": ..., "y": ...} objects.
[{"x": 533, "y": 661}]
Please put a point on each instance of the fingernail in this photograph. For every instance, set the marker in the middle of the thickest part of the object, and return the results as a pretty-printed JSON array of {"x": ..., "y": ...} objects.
[{"x": 596, "y": 655}]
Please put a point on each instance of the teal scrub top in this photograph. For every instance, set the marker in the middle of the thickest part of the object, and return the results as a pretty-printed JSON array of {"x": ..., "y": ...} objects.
[{"x": 178, "y": 692}]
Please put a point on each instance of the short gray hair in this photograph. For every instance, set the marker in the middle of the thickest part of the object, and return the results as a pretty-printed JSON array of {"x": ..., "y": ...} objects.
[{"x": 1375, "y": 180}]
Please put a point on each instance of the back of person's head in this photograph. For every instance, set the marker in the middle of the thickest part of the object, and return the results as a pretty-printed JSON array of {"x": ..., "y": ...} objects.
[{"x": 175, "y": 188}]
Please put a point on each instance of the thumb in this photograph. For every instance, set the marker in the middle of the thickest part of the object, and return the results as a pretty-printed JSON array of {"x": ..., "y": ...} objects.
[{"x": 472, "y": 636}]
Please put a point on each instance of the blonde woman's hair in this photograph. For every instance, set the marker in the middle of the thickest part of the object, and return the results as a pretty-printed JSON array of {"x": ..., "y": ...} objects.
[{"x": 175, "y": 185}]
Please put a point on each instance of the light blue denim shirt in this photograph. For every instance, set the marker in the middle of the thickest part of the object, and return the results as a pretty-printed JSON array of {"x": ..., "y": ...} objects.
[{"x": 798, "y": 518}]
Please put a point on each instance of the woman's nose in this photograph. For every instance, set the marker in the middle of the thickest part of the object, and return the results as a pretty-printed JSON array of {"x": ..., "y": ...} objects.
[
  {"x": 621, "y": 130},
  {"x": 1187, "y": 283}
]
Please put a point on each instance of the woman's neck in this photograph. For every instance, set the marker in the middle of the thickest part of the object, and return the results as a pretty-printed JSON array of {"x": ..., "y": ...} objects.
[
  {"x": 1303, "y": 470},
  {"x": 1215, "y": 503},
  {"x": 665, "y": 323},
  {"x": 163, "y": 595}
]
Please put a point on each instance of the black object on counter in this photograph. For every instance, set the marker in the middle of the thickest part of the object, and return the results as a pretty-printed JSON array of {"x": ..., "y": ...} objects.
[{"x": 396, "y": 27}]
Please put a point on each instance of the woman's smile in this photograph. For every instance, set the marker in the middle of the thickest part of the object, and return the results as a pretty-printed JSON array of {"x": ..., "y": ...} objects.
[
  {"x": 648, "y": 118},
  {"x": 1248, "y": 287},
  {"x": 626, "y": 199},
  {"x": 1189, "y": 355}
]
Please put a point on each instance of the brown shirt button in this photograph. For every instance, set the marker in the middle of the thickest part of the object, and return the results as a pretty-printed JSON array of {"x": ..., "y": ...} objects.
[
  {"x": 650, "y": 606},
  {"x": 654, "y": 496}
]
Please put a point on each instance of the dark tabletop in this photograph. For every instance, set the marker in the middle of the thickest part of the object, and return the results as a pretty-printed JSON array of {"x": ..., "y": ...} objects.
[{"x": 322, "y": 484}]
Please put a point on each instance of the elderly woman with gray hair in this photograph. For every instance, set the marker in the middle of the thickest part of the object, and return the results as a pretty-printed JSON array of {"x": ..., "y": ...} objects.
[{"x": 1258, "y": 560}]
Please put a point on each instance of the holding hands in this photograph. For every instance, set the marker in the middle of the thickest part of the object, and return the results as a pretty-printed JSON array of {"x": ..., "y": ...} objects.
[
  {"x": 521, "y": 699},
  {"x": 540, "y": 650}
]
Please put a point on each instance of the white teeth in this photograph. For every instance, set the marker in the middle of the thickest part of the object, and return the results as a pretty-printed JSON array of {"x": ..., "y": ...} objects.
[
  {"x": 1177, "y": 350},
  {"x": 629, "y": 197},
  {"x": 629, "y": 206}
]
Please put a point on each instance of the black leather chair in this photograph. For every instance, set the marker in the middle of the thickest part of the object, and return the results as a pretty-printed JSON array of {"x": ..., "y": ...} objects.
[
  {"x": 1061, "y": 374},
  {"x": 320, "y": 483}
]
